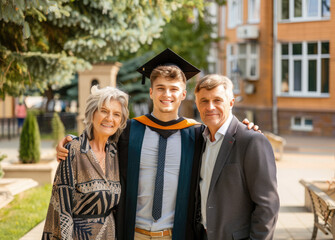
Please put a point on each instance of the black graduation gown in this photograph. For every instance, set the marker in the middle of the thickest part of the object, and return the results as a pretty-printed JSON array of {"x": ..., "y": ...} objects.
[{"x": 184, "y": 217}]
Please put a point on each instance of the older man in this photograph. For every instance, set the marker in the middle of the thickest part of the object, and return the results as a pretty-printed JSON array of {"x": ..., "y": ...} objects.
[{"x": 237, "y": 176}]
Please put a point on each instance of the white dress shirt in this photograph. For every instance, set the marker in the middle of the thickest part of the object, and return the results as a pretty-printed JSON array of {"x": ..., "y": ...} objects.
[{"x": 208, "y": 162}]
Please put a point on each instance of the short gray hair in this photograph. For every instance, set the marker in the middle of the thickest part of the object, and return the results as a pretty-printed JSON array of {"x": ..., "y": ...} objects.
[
  {"x": 97, "y": 99},
  {"x": 211, "y": 81}
]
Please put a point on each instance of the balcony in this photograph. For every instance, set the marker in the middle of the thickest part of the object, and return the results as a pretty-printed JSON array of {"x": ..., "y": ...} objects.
[{"x": 247, "y": 32}]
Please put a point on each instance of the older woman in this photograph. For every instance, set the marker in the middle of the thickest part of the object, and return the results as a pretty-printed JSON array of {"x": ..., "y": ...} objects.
[{"x": 87, "y": 187}]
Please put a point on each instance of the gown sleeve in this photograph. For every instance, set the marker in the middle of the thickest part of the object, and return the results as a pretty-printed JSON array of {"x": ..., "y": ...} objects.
[{"x": 59, "y": 222}]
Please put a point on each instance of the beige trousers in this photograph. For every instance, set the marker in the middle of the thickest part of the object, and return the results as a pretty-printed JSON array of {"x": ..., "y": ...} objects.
[{"x": 140, "y": 236}]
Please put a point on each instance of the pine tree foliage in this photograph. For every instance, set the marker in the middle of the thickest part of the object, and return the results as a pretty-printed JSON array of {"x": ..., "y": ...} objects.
[
  {"x": 29, "y": 151},
  {"x": 129, "y": 80},
  {"x": 61, "y": 37},
  {"x": 190, "y": 37},
  {"x": 58, "y": 129}
]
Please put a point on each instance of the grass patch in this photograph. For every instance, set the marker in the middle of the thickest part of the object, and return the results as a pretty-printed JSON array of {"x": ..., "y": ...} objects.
[{"x": 26, "y": 210}]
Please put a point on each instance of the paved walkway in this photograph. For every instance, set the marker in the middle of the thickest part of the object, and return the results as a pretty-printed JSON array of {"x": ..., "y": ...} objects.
[
  {"x": 11, "y": 149},
  {"x": 304, "y": 158}
]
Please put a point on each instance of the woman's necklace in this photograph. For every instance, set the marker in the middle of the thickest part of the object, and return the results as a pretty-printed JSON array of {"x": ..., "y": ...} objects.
[
  {"x": 100, "y": 156},
  {"x": 101, "y": 160}
]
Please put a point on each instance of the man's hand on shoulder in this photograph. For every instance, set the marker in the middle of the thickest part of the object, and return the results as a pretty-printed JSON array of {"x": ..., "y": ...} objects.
[
  {"x": 62, "y": 152},
  {"x": 251, "y": 125}
]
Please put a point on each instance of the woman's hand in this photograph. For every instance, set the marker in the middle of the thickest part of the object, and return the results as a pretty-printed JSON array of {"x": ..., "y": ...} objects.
[{"x": 251, "y": 125}]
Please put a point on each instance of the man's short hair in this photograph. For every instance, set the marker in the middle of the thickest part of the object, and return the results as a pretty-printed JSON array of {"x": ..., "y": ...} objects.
[
  {"x": 211, "y": 81},
  {"x": 168, "y": 72},
  {"x": 97, "y": 99}
]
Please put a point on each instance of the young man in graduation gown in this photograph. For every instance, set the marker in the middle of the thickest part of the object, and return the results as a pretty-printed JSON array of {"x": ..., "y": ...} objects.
[
  {"x": 148, "y": 208},
  {"x": 156, "y": 153}
]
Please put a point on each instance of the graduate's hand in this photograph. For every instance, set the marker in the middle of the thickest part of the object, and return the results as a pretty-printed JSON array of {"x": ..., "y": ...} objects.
[
  {"x": 62, "y": 152},
  {"x": 251, "y": 125}
]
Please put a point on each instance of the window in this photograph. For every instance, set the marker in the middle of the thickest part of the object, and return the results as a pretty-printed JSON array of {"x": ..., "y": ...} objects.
[
  {"x": 297, "y": 8},
  {"x": 247, "y": 60},
  {"x": 232, "y": 71},
  {"x": 235, "y": 13},
  {"x": 304, "y": 69},
  {"x": 285, "y": 9},
  {"x": 325, "y": 8},
  {"x": 302, "y": 123},
  {"x": 312, "y": 8},
  {"x": 304, "y": 10},
  {"x": 253, "y": 61},
  {"x": 242, "y": 62},
  {"x": 253, "y": 11}
]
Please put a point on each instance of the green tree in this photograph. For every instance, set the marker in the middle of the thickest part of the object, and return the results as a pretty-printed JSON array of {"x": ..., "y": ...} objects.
[
  {"x": 29, "y": 151},
  {"x": 190, "y": 37},
  {"x": 58, "y": 130},
  {"x": 61, "y": 37},
  {"x": 128, "y": 79}
]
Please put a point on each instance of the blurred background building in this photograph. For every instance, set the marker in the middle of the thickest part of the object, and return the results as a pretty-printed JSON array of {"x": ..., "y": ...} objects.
[{"x": 280, "y": 55}]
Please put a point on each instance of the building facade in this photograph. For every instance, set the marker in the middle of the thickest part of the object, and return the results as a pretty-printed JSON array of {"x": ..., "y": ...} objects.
[{"x": 280, "y": 54}]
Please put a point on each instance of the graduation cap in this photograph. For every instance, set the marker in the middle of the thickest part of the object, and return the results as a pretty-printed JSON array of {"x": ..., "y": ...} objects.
[{"x": 168, "y": 58}]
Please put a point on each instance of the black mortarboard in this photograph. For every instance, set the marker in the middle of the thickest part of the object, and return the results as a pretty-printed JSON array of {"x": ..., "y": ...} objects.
[{"x": 166, "y": 58}]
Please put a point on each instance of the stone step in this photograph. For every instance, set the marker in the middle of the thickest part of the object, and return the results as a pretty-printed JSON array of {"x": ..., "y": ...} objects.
[{"x": 12, "y": 186}]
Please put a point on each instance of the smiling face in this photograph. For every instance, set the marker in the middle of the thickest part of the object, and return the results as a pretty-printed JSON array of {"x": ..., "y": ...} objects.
[
  {"x": 107, "y": 119},
  {"x": 214, "y": 107},
  {"x": 167, "y": 95}
]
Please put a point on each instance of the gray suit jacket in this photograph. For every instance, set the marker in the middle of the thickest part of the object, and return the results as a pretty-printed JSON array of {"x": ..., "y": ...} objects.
[{"x": 243, "y": 202}]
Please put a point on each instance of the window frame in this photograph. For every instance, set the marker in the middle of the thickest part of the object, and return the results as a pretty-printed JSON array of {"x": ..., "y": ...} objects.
[
  {"x": 305, "y": 58},
  {"x": 233, "y": 59},
  {"x": 304, "y": 12},
  {"x": 256, "y": 5},
  {"x": 234, "y": 21},
  {"x": 303, "y": 126},
  {"x": 252, "y": 56}
]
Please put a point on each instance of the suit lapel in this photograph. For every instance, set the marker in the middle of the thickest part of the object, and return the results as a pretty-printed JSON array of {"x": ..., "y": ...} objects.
[{"x": 226, "y": 146}]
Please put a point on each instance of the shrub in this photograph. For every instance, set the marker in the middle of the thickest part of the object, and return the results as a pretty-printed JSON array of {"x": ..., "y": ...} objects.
[
  {"x": 58, "y": 130},
  {"x": 30, "y": 140},
  {"x": 2, "y": 157}
]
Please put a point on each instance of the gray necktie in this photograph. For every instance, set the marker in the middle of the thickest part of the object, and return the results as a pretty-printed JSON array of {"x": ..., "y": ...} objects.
[{"x": 159, "y": 183}]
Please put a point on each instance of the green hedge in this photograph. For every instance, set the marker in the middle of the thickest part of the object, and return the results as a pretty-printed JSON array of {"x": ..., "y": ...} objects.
[
  {"x": 58, "y": 129},
  {"x": 2, "y": 157},
  {"x": 29, "y": 151}
]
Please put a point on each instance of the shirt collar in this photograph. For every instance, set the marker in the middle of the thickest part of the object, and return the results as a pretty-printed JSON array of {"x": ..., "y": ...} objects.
[{"x": 221, "y": 131}]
